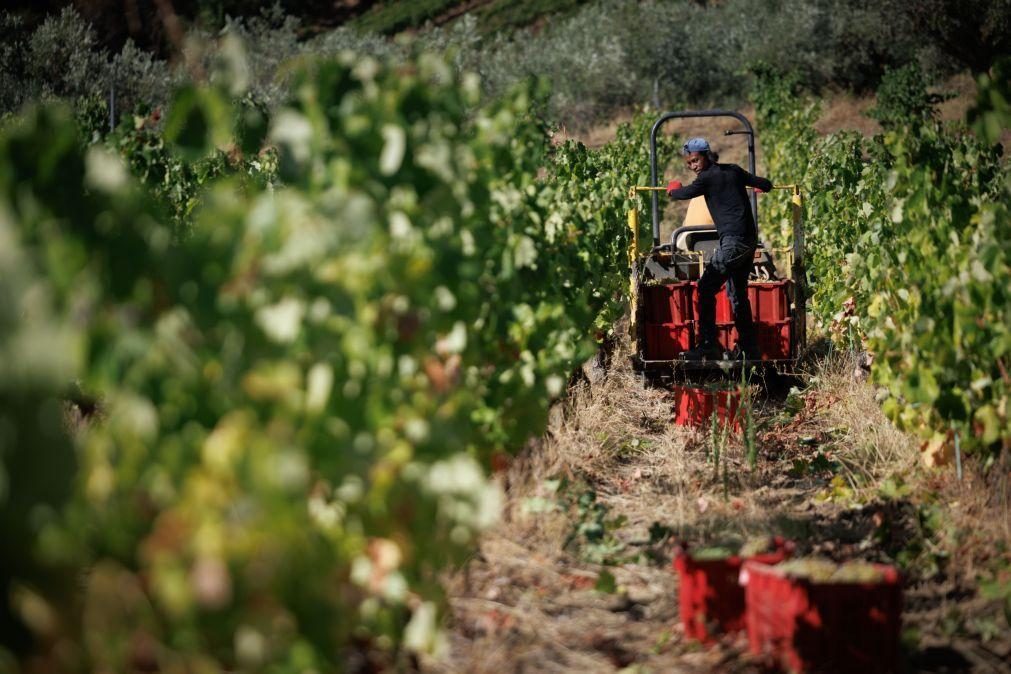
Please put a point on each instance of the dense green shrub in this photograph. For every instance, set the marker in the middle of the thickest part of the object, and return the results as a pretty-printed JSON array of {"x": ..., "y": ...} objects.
[
  {"x": 586, "y": 70},
  {"x": 348, "y": 39},
  {"x": 261, "y": 46},
  {"x": 972, "y": 33},
  {"x": 139, "y": 81},
  {"x": 843, "y": 43},
  {"x": 62, "y": 60},
  {"x": 58, "y": 60},
  {"x": 903, "y": 99}
]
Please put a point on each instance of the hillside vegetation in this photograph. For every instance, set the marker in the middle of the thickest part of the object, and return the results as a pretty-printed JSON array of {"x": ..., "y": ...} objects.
[
  {"x": 595, "y": 57},
  {"x": 276, "y": 310}
]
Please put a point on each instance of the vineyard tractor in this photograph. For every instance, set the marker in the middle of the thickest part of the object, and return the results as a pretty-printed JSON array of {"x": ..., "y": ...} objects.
[{"x": 664, "y": 284}]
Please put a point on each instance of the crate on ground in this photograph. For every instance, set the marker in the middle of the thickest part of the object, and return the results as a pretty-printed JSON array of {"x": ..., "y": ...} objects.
[
  {"x": 833, "y": 626},
  {"x": 694, "y": 405},
  {"x": 710, "y": 597}
]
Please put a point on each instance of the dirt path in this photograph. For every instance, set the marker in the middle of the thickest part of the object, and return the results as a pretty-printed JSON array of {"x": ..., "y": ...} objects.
[{"x": 577, "y": 576}]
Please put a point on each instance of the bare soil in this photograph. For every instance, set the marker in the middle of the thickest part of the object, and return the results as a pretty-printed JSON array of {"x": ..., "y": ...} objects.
[{"x": 831, "y": 474}]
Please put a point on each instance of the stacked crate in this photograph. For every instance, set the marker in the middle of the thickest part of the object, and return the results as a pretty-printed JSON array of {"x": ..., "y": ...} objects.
[{"x": 670, "y": 316}]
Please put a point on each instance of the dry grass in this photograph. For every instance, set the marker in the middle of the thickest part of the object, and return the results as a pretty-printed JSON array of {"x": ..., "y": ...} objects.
[
  {"x": 846, "y": 112},
  {"x": 526, "y": 602},
  {"x": 961, "y": 89},
  {"x": 598, "y": 135},
  {"x": 874, "y": 448}
]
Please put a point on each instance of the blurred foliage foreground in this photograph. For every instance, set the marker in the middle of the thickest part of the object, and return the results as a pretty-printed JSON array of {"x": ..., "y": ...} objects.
[{"x": 296, "y": 398}]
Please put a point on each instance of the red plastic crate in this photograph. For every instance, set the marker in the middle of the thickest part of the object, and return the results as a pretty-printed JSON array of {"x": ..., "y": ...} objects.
[
  {"x": 669, "y": 304},
  {"x": 656, "y": 303},
  {"x": 694, "y": 405},
  {"x": 823, "y": 627},
  {"x": 774, "y": 338},
  {"x": 681, "y": 302},
  {"x": 724, "y": 314},
  {"x": 669, "y": 309},
  {"x": 666, "y": 342},
  {"x": 770, "y": 300},
  {"x": 726, "y": 335},
  {"x": 710, "y": 597}
]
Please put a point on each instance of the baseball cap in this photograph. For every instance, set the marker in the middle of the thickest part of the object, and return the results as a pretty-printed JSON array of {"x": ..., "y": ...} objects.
[{"x": 696, "y": 145}]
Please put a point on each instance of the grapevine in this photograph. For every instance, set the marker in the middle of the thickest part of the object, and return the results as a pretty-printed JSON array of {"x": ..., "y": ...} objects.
[{"x": 913, "y": 226}]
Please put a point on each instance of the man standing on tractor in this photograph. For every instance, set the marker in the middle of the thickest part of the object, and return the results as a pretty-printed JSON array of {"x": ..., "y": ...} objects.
[{"x": 723, "y": 185}]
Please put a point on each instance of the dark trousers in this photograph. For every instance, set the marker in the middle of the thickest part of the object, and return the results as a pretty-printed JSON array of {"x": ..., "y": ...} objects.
[{"x": 730, "y": 264}]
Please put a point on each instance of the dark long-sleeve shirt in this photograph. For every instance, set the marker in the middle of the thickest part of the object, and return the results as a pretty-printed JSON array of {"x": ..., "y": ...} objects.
[{"x": 723, "y": 187}]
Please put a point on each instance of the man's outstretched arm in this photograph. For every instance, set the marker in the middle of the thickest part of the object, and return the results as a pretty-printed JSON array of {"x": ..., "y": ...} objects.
[
  {"x": 761, "y": 183},
  {"x": 676, "y": 191}
]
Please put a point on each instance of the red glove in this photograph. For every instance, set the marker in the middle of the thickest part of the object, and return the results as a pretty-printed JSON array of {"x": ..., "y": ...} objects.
[{"x": 673, "y": 185}]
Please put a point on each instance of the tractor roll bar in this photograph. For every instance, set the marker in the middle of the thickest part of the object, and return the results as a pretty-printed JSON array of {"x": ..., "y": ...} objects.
[{"x": 749, "y": 132}]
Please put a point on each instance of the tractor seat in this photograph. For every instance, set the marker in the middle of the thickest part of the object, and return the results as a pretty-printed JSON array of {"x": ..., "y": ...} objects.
[
  {"x": 696, "y": 238},
  {"x": 698, "y": 235},
  {"x": 698, "y": 231},
  {"x": 704, "y": 239}
]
